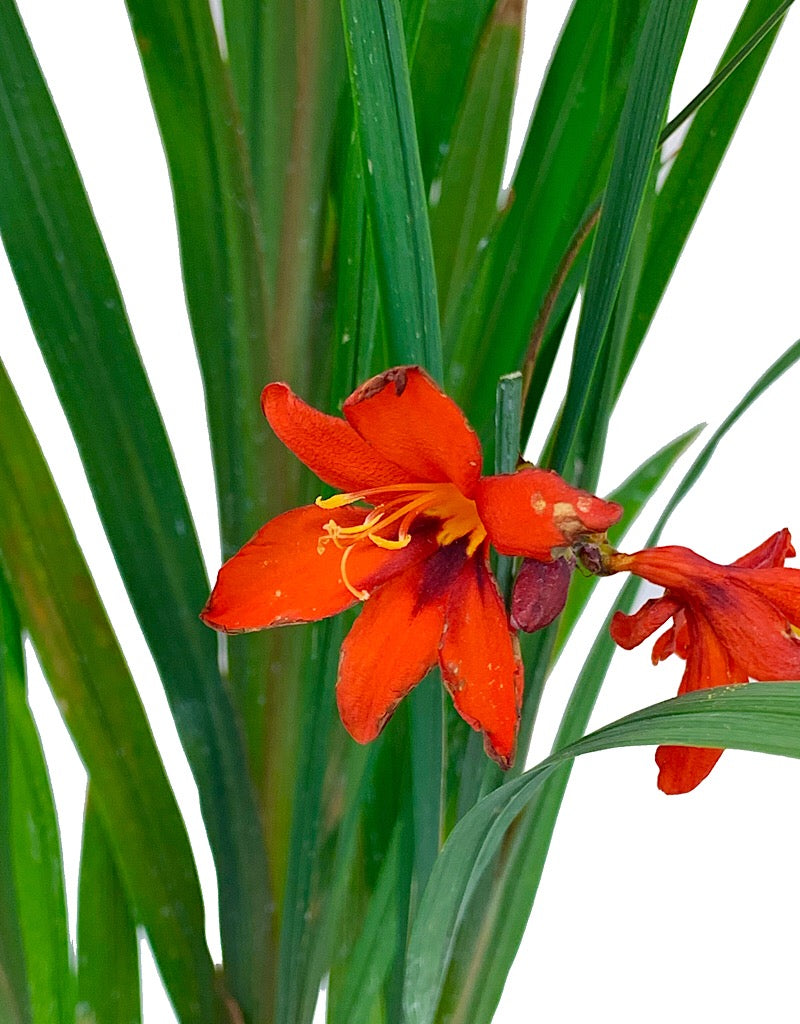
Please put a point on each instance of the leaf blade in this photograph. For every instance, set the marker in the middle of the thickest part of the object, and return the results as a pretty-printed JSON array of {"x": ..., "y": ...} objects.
[
  {"x": 659, "y": 48},
  {"x": 78, "y": 317},
  {"x": 679, "y": 202},
  {"x": 86, "y": 670},
  {"x": 108, "y": 951},
  {"x": 396, "y": 201}
]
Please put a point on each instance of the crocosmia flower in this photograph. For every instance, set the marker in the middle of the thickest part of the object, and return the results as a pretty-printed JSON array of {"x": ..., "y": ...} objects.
[
  {"x": 731, "y": 623},
  {"x": 409, "y": 538}
]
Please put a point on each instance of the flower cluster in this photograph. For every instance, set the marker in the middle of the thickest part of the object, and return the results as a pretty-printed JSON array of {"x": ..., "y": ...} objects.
[
  {"x": 409, "y": 536},
  {"x": 730, "y": 623}
]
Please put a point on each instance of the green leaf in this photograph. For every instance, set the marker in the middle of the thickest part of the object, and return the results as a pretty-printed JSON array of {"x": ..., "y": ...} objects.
[
  {"x": 448, "y": 39},
  {"x": 373, "y": 953},
  {"x": 287, "y": 64},
  {"x": 396, "y": 202},
  {"x": 297, "y": 983},
  {"x": 78, "y": 317},
  {"x": 695, "y": 166},
  {"x": 756, "y": 716},
  {"x": 427, "y": 747},
  {"x": 14, "y": 999},
  {"x": 263, "y": 61},
  {"x": 347, "y": 788},
  {"x": 220, "y": 248},
  {"x": 356, "y": 318},
  {"x": 85, "y": 668},
  {"x": 108, "y": 950},
  {"x": 358, "y": 349},
  {"x": 40, "y": 875},
  {"x": 657, "y": 54},
  {"x": 561, "y": 172},
  {"x": 464, "y": 195},
  {"x": 36, "y": 949}
]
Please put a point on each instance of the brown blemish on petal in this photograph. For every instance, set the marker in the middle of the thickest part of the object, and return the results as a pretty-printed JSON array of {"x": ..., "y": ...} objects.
[
  {"x": 398, "y": 376},
  {"x": 538, "y": 504}
]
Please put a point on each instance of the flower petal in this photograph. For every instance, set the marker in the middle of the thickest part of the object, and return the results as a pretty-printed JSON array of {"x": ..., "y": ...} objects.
[
  {"x": 392, "y": 645},
  {"x": 753, "y": 630},
  {"x": 328, "y": 445},
  {"x": 480, "y": 662},
  {"x": 779, "y": 586},
  {"x": 534, "y": 510},
  {"x": 681, "y": 769},
  {"x": 773, "y": 552},
  {"x": 280, "y": 576},
  {"x": 403, "y": 415},
  {"x": 628, "y": 631}
]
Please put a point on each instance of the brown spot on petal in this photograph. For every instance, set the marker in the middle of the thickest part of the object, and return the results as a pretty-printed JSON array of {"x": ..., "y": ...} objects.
[{"x": 398, "y": 376}]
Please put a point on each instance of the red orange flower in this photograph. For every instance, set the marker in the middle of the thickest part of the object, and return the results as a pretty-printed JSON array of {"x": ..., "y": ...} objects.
[
  {"x": 410, "y": 538},
  {"x": 731, "y": 623}
]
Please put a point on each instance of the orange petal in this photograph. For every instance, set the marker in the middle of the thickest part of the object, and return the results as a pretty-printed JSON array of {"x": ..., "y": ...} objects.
[
  {"x": 533, "y": 511},
  {"x": 774, "y": 551},
  {"x": 779, "y": 586},
  {"x": 678, "y": 568},
  {"x": 480, "y": 662},
  {"x": 392, "y": 645},
  {"x": 281, "y": 577},
  {"x": 629, "y": 631},
  {"x": 681, "y": 769},
  {"x": 328, "y": 445},
  {"x": 403, "y": 414},
  {"x": 752, "y": 629}
]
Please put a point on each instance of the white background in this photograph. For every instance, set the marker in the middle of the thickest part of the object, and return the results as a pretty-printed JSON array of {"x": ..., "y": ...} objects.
[{"x": 651, "y": 908}]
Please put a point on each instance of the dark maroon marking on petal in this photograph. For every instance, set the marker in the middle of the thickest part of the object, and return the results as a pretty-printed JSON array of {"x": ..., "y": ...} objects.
[
  {"x": 540, "y": 593},
  {"x": 441, "y": 571}
]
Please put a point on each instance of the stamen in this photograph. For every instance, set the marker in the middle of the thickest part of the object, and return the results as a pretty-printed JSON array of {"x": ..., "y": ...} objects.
[
  {"x": 338, "y": 500},
  {"x": 360, "y": 595},
  {"x": 388, "y": 544},
  {"x": 457, "y": 514}
]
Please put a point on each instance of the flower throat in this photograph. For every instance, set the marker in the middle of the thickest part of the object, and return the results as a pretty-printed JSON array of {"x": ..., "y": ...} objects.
[{"x": 388, "y": 524}]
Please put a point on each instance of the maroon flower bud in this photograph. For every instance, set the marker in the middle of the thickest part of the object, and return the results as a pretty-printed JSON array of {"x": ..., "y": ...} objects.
[{"x": 540, "y": 592}]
